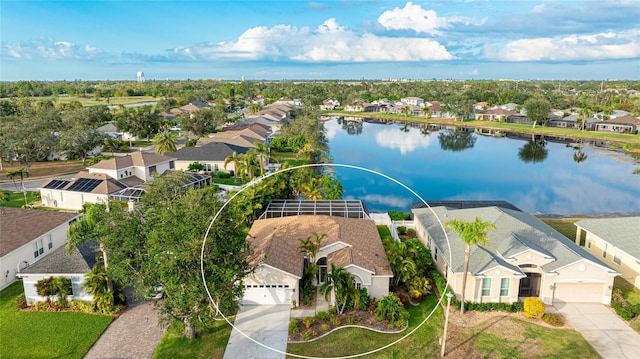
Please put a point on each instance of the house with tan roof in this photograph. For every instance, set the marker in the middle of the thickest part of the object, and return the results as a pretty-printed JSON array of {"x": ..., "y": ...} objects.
[
  {"x": 27, "y": 236},
  {"x": 496, "y": 114},
  {"x": 348, "y": 242},
  {"x": 103, "y": 179},
  {"x": 524, "y": 258}
]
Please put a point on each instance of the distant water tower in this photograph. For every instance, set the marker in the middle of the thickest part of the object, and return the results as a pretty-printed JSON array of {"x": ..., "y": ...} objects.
[{"x": 140, "y": 76}]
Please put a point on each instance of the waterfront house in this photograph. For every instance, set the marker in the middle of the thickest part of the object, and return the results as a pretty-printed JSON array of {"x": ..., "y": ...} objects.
[
  {"x": 616, "y": 241},
  {"x": 524, "y": 258}
]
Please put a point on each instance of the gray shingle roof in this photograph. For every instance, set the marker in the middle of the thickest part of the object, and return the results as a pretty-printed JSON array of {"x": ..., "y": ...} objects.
[
  {"x": 623, "y": 232},
  {"x": 515, "y": 232},
  {"x": 214, "y": 151},
  {"x": 59, "y": 261}
]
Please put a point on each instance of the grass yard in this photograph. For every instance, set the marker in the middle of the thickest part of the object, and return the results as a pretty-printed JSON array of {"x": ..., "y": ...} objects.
[
  {"x": 211, "y": 342},
  {"x": 45, "y": 334},
  {"x": 16, "y": 199},
  {"x": 41, "y": 169},
  {"x": 290, "y": 158},
  {"x": 384, "y": 232},
  {"x": 93, "y": 101},
  {"x": 563, "y": 225}
]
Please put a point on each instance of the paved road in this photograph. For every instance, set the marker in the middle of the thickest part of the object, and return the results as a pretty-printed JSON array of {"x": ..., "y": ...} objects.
[
  {"x": 31, "y": 185},
  {"x": 267, "y": 324},
  {"x": 609, "y": 335}
]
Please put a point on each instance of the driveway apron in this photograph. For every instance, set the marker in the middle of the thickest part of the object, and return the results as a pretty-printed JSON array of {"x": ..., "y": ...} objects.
[
  {"x": 609, "y": 335},
  {"x": 267, "y": 324}
]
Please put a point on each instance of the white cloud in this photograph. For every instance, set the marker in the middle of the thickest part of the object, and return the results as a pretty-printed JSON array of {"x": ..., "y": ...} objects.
[
  {"x": 605, "y": 45},
  {"x": 329, "y": 42},
  {"x": 414, "y": 17},
  {"x": 393, "y": 138},
  {"x": 538, "y": 9},
  {"x": 48, "y": 48}
]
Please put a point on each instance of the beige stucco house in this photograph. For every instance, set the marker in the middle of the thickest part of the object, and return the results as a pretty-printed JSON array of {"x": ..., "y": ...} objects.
[
  {"x": 212, "y": 155},
  {"x": 524, "y": 258},
  {"x": 351, "y": 243},
  {"x": 615, "y": 241},
  {"x": 27, "y": 236}
]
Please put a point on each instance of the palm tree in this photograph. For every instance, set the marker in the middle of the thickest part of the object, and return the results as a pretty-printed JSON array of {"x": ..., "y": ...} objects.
[
  {"x": 309, "y": 247},
  {"x": 311, "y": 189},
  {"x": 164, "y": 142},
  {"x": 233, "y": 158},
  {"x": 261, "y": 151},
  {"x": 339, "y": 283},
  {"x": 247, "y": 166},
  {"x": 585, "y": 113},
  {"x": 471, "y": 233}
]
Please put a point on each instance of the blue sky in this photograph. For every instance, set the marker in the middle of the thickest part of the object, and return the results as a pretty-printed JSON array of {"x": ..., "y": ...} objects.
[{"x": 472, "y": 39}]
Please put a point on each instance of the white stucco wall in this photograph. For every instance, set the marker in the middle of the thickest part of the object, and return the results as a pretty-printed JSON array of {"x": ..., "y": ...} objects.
[
  {"x": 15, "y": 259},
  {"x": 69, "y": 199},
  {"x": 77, "y": 281}
]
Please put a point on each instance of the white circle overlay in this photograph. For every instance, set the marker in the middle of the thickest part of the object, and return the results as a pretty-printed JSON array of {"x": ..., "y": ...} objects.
[{"x": 258, "y": 180}]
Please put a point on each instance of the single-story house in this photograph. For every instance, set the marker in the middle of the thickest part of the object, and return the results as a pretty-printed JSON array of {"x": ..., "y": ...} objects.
[
  {"x": 27, "y": 236},
  {"x": 212, "y": 155},
  {"x": 496, "y": 114},
  {"x": 59, "y": 263},
  {"x": 572, "y": 121},
  {"x": 616, "y": 241},
  {"x": 348, "y": 242},
  {"x": 524, "y": 258},
  {"x": 625, "y": 124}
]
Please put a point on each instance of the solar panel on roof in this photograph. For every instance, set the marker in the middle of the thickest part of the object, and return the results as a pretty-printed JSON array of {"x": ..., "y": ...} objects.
[
  {"x": 56, "y": 184},
  {"x": 84, "y": 185}
]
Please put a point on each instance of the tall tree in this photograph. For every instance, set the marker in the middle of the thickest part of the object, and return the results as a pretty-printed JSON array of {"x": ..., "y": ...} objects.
[
  {"x": 471, "y": 233},
  {"x": 538, "y": 110},
  {"x": 164, "y": 142},
  {"x": 80, "y": 141},
  {"x": 203, "y": 121}
]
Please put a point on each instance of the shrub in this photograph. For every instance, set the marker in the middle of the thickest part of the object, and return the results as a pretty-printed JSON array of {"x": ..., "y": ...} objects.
[
  {"x": 323, "y": 315},
  {"x": 399, "y": 215},
  {"x": 391, "y": 308},
  {"x": 21, "y": 301},
  {"x": 195, "y": 167},
  {"x": 534, "y": 308},
  {"x": 553, "y": 319},
  {"x": 192, "y": 142},
  {"x": 403, "y": 298},
  {"x": 308, "y": 321},
  {"x": 335, "y": 321},
  {"x": 401, "y": 230},
  {"x": 350, "y": 320},
  {"x": 415, "y": 294},
  {"x": 411, "y": 232},
  {"x": 325, "y": 327},
  {"x": 43, "y": 306},
  {"x": 487, "y": 307},
  {"x": 224, "y": 174},
  {"x": 625, "y": 310},
  {"x": 294, "y": 326},
  {"x": 82, "y": 306}
]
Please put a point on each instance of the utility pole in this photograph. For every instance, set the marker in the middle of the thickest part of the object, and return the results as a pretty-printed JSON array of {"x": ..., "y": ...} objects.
[{"x": 446, "y": 324}]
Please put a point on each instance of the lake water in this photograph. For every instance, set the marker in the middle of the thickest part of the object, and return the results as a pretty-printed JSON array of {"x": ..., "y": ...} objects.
[{"x": 479, "y": 167}]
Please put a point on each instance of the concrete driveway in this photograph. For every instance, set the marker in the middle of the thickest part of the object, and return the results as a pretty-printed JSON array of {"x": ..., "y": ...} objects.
[
  {"x": 609, "y": 335},
  {"x": 267, "y": 324}
]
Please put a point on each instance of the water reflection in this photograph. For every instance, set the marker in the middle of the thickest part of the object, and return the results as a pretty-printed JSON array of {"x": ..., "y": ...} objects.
[
  {"x": 456, "y": 140},
  {"x": 404, "y": 141},
  {"x": 351, "y": 127},
  {"x": 534, "y": 151}
]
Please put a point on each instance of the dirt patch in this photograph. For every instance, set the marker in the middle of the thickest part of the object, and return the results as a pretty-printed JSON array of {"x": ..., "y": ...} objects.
[{"x": 42, "y": 169}]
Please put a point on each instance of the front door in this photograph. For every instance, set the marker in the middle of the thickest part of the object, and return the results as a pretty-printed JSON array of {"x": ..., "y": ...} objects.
[{"x": 530, "y": 285}]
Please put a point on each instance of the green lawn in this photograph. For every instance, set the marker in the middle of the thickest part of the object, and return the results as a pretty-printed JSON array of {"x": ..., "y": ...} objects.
[
  {"x": 211, "y": 342},
  {"x": 563, "y": 225},
  {"x": 290, "y": 158},
  {"x": 92, "y": 101},
  {"x": 45, "y": 334},
  {"x": 384, "y": 232},
  {"x": 16, "y": 199}
]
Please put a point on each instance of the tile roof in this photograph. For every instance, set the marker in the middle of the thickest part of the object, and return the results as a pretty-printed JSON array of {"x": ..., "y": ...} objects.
[
  {"x": 59, "y": 261},
  {"x": 19, "y": 226},
  {"x": 275, "y": 241},
  {"x": 138, "y": 159},
  {"x": 214, "y": 151},
  {"x": 515, "y": 232},
  {"x": 622, "y": 232}
]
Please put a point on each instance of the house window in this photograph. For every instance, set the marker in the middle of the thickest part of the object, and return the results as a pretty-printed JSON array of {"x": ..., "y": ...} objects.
[
  {"x": 504, "y": 287},
  {"x": 172, "y": 165},
  {"x": 589, "y": 244},
  {"x": 49, "y": 242},
  {"x": 357, "y": 284},
  {"x": 486, "y": 287},
  {"x": 604, "y": 251},
  {"x": 216, "y": 168},
  {"x": 152, "y": 169},
  {"x": 38, "y": 249},
  {"x": 207, "y": 167},
  {"x": 616, "y": 257},
  {"x": 435, "y": 254}
]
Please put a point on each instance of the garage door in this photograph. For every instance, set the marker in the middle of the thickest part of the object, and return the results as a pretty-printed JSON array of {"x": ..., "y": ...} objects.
[
  {"x": 578, "y": 293},
  {"x": 267, "y": 294}
]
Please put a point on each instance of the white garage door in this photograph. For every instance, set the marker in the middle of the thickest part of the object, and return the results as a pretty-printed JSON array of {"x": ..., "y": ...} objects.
[
  {"x": 579, "y": 292},
  {"x": 267, "y": 294}
]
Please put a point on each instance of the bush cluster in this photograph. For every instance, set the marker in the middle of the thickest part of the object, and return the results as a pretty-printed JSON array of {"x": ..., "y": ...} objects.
[
  {"x": 399, "y": 215},
  {"x": 21, "y": 301},
  {"x": 624, "y": 309},
  {"x": 554, "y": 319},
  {"x": 488, "y": 307},
  {"x": 224, "y": 174},
  {"x": 534, "y": 308}
]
